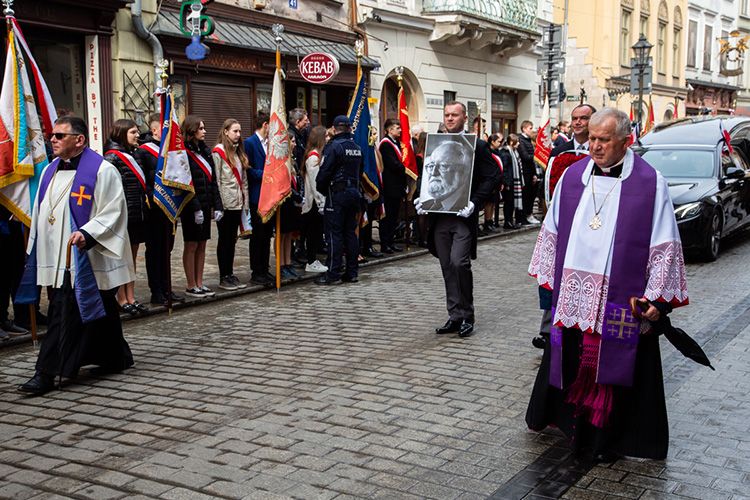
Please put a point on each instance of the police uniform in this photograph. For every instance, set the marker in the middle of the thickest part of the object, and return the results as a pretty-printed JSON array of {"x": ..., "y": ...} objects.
[{"x": 338, "y": 179}]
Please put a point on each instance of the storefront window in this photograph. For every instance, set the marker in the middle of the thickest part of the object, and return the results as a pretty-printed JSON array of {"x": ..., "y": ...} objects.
[
  {"x": 263, "y": 98},
  {"x": 61, "y": 65}
]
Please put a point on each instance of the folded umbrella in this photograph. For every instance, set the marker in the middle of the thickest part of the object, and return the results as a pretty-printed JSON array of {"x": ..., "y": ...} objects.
[{"x": 67, "y": 315}]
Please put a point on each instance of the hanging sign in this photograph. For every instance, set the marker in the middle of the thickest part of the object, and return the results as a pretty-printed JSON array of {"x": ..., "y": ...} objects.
[
  {"x": 93, "y": 94},
  {"x": 318, "y": 67}
]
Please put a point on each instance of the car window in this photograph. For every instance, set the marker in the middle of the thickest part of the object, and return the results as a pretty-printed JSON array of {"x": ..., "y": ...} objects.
[{"x": 681, "y": 163}]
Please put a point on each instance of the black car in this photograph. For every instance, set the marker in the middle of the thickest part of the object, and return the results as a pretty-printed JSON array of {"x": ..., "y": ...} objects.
[{"x": 709, "y": 186}]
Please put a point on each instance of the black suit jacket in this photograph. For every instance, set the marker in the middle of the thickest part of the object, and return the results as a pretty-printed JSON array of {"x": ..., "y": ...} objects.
[
  {"x": 566, "y": 146},
  {"x": 526, "y": 152},
  {"x": 394, "y": 172}
]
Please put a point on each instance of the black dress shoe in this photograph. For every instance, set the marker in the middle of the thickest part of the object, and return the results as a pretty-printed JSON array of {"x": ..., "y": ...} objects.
[
  {"x": 466, "y": 329},
  {"x": 260, "y": 280},
  {"x": 605, "y": 457},
  {"x": 158, "y": 299},
  {"x": 371, "y": 252},
  {"x": 539, "y": 342},
  {"x": 510, "y": 225},
  {"x": 352, "y": 279},
  {"x": 13, "y": 328},
  {"x": 39, "y": 384},
  {"x": 326, "y": 280},
  {"x": 396, "y": 249},
  {"x": 176, "y": 298},
  {"x": 386, "y": 250},
  {"x": 450, "y": 326}
]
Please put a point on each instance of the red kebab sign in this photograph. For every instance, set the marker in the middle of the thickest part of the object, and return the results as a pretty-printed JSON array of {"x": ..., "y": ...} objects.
[{"x": 318, "y": 67}]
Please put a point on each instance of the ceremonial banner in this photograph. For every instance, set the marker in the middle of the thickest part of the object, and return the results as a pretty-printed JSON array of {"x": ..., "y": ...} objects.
[
  {"x": 650, "y": 119},
  {"x": 277, "y": 173},
  {"x": 359, "y": 116},
  {"x": 22, "y": 152},
  {"x": 407, "y": 152},
  {"x": 173, "y": 183},
  {"x": 543, "y": 140}
]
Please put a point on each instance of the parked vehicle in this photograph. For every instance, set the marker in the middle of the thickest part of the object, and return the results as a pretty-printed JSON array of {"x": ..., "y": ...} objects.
[{"x": 709, "y": 186}]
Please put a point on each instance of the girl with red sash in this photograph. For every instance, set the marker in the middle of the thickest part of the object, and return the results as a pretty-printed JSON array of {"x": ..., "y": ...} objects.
[
  {"x": 196, "y": 217},
  {"x": 119, "y": 151},
  {"x": 231, "y": 179},
  {"x": 312, "y": 205}
]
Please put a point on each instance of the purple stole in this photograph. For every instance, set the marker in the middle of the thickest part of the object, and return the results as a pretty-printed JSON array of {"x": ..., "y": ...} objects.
[
  {"x": 81, "y": 201},
  {"x": 619, "y": 338}
]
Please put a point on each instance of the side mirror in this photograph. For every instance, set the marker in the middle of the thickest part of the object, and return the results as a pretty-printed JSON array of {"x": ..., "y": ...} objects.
[{"x": 734, "y": 172}]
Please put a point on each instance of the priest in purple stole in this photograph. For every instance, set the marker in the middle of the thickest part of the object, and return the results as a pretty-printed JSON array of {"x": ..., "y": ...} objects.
[
  {"x": 610, "y": 235},
  {"x": 80, "y": 200}
]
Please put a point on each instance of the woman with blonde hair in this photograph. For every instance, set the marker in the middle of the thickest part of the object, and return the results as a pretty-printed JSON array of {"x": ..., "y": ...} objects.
[{"x": 231, "y": 180}]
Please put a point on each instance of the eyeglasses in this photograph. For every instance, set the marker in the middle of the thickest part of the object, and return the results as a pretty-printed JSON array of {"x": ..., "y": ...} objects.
[
  {"x": 438, "y": 168},
  {"x": 59, "y": 135}
]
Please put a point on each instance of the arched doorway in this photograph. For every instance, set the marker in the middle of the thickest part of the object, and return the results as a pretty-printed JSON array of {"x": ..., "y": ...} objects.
[{"x": 389, "y": 97}]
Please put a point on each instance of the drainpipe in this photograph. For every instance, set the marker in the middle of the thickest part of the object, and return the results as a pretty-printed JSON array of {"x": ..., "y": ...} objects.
[{"x": 156, "y": 49}]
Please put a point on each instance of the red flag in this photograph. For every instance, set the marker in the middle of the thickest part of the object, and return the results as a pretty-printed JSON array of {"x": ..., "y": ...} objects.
[
  {"x": 727, "y": 138},
  {"x": 543, "y": 140},
  {"x": 277, "y": 173},
  {"x": 650, "y": 120},
  {"x": 407, "y": 152}
]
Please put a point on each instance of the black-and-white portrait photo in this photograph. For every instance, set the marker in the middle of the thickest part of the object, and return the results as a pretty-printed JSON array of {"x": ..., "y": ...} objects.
[{"x": 446, "y": 178}]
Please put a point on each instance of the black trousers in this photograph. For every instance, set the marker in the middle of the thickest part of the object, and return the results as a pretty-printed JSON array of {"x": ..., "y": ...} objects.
[
  {"x": 65, "y": 351},
  {"x": 342, "y": 224},
  {"x": 228, "y": 227},
  {"x": 453, "y": 241},
  {"x": 260, "y": 243},
  {"x": 312, "y": 231},
  {"x": 389, "y": 223},
  {"x": 12, "y": 255},
  {"x": 159, "y": 244},
  {"x": 529, "y": 195},
  {"x": 365, "y": 233},
  {"x": 509, "y": 207}
]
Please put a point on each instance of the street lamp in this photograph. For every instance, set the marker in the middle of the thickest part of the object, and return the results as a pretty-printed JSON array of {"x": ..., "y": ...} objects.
[{"x": 641, "y": 50}]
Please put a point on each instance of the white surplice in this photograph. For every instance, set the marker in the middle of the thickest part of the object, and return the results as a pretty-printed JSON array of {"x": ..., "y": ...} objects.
[
  {"x": 588, "y": 259},
  {"x": 111, "y": 259}
]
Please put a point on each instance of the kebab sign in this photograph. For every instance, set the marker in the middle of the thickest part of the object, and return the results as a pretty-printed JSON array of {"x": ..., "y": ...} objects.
[{"x": 318, "y": 67}]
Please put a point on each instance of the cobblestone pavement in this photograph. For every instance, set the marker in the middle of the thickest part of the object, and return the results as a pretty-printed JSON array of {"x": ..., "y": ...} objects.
[{"x": 336, "y": 392}]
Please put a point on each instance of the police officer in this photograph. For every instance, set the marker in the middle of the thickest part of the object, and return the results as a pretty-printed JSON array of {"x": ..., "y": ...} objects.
[{"x": 338, "y": 178}]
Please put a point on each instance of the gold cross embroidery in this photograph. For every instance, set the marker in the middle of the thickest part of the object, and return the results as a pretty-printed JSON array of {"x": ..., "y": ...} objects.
[
  {"x": 621, "y": 326},
  {"x": 80, "y": 195}
]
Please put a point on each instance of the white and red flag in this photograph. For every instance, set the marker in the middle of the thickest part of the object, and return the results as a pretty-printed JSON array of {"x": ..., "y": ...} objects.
[
  {"x": 543, "y": 139},
  {"x": 407, "y": 152},
  {"x": 277, "y": 173}
]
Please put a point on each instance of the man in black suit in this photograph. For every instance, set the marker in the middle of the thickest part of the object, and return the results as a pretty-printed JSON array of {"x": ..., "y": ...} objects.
[
  {"x": 453, "y": 238},
  {"x": 528, "y": 166},
  {"x": 394, "y": 184}
]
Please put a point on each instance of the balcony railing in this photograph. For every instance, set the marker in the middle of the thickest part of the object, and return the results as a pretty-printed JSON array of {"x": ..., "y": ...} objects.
[{"x": 516, "y": 13}]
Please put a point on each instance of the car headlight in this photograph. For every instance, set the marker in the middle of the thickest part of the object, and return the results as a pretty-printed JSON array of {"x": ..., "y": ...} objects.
[{"x": 687, "y": 210}]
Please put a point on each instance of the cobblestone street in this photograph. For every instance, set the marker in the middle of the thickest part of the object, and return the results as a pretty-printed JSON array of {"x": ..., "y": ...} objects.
[{"x": 335, "y": 392}]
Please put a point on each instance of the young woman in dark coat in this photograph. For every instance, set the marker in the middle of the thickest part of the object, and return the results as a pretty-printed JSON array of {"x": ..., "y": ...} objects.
[
  {"x": 119, "y": 151},
  {"x": 196, "y": 218}
]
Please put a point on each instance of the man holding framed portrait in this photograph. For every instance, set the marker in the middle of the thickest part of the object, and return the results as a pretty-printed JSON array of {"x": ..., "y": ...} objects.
[{"x": 459, "y": 175}]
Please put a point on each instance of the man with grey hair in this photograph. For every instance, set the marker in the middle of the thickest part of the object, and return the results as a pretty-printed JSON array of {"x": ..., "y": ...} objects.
[
  {"x": 610, "y": 252},
  {"x": 299, "y": 126}
]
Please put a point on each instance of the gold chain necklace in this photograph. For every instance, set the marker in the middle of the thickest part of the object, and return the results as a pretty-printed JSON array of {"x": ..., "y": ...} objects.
[
  {"x": 596, "y": 221},
  {"x": 51, "y": 219}
]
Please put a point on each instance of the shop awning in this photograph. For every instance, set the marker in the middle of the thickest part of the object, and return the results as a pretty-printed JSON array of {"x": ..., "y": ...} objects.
[{"x": 262, "y": 40}]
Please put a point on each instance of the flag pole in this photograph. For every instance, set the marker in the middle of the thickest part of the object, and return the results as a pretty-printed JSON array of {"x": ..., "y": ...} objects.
[
  {"x": 278, "y": 29},
  {"x": 163, "y": 65},
  {"x": 9, "y": 13}
]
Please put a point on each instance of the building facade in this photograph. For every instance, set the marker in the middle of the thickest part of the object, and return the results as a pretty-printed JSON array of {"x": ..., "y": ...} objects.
[
  {"x": 598, "y": 59},
  {"x": 480, "y": 53}
]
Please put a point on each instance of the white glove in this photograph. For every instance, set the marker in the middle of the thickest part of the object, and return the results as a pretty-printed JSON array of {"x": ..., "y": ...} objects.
[
  {"x": 321, "y": 209},
  {"x": 218, "y": 215},
  {"x": 418, "y": 207},
  {"x": 466, "y": 211},
  {"x": 198, "y": 217}
]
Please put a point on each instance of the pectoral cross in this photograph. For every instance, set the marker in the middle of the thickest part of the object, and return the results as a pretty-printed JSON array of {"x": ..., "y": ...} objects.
[{"x": 80, "y": 195}]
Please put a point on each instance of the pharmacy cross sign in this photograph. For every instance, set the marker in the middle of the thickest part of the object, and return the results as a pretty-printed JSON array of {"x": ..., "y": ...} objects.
[{"x": 318, "y": 67}]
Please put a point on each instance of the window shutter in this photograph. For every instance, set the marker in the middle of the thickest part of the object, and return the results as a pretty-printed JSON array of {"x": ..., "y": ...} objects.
[{"x": 214, "y": 103}]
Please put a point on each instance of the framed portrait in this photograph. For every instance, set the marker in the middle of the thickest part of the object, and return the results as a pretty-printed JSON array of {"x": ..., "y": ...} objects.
[{"x": 447, "y": 173}]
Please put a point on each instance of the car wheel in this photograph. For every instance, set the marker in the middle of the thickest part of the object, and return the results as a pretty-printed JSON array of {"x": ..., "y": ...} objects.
[{"x": 710, "y": 251}]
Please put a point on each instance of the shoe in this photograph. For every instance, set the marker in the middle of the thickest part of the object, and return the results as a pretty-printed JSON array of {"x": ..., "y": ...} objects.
[
  {"x": 195, "y": 292},
  {"x": 39, "y": 384},
  {"x": 260, "y": 280},
  {"x": 4, "y": 336},
  {"x": 361, "y": 259},
  {"x": 450, "y": 326},
  {"x": 396, "y": 249},
  {"x": 488, "y": 227},
  {"x": 293, "y": 272},
  {"x": 158, "y": 299},
  {"x": 140, "y": 307},
  {"x": 605, "y": 457},
  {"x": 177, "y": 298},
  {"x": 510, "y": 225},
  {"x": 236, "y": 282},
  {"x": 466, "y": 329},
  {"x": 532, "y": 220},
  {"x": 130, "y": 309},
  {"x": 386, "y": 250},
  {"x": 347, "y": 279},
  {"x": 286, "y": 273},
  {"x": 325, "y": 280},
  {"x": 539, "y": 342},
  {"x": 13, "y": 328},
  {"x": 371, "y": 252},
  {"x": 226, "y": 283},
  {"x": 316, "y": 267},
  {"x": 481, "y": 231},
  {"x": 207, "y": 291}
]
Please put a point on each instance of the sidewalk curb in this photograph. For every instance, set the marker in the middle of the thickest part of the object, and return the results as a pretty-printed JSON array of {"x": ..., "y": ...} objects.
[{"x": 251, "y": 289}]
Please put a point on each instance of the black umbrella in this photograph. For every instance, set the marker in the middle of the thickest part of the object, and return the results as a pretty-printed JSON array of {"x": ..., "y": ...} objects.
[
  {"x": 65, "y": 314},
  {"x": 684, "y": 343}
]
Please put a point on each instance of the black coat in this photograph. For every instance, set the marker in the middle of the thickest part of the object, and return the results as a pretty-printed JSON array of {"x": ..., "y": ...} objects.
[
  {"x": 526, "y": 152},
  {"x": 504, "y": 155},
  {"x": 394, "y": 172},
  {"x": 135, "y": 195},
  {"x": 485, "y": 181},
  {"x": 207, "y": 196},
  {"x": 149, "y": 163},
  {"x": 565, "y": 146}
]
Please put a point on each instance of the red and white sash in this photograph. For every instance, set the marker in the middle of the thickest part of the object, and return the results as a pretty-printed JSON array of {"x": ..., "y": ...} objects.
[
  {"x": 151, "y": 148},
  {"x": 132, "y": 165},
  {"x": 246, "y": 227},
  {"x": 203, "y": 164},
  {"x": 394, "y": 146},
  {"x": 498, "y": 161}
]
